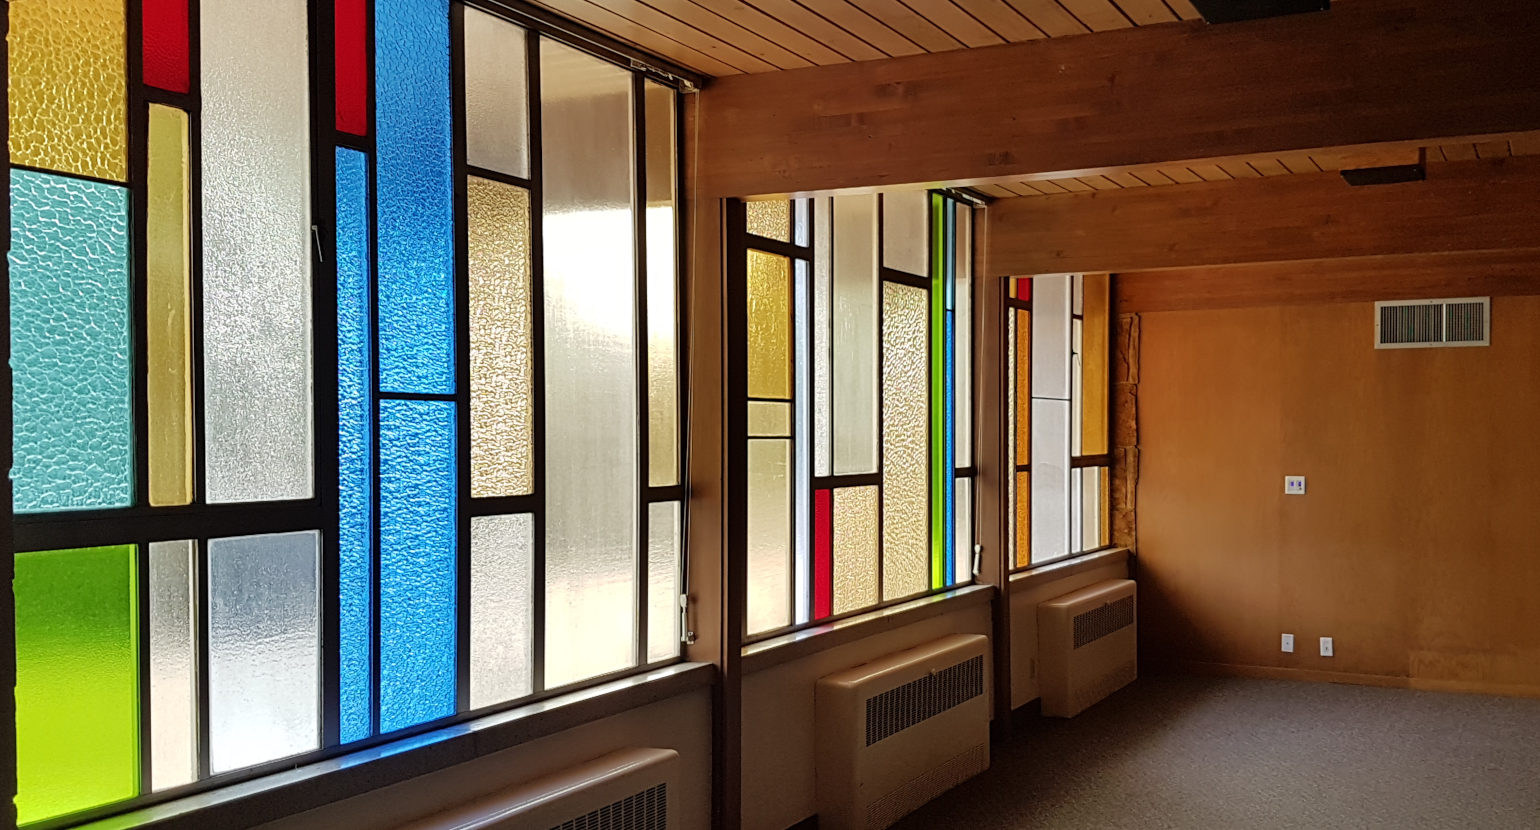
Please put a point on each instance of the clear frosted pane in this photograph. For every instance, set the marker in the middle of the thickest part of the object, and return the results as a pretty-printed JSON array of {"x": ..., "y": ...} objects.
[
  {"x": 770, "y": 219},
  {"x": 256, "y": 251},
  {"x": 664, "y": 551},
  {"x": 964, "y": 306},
  {"x": 964, "y": 565},
  {"x": 1050, "y": 337},
  {"x": 502, "y": 374},
  {"x": 502, "y": 608},
  {"x": 69, "y": 86},
  {"x": 662, "y": 289},
  {"x": 496, "y": 95},
  {"x": 769, "y": 326},
  {"x": 856, "y": 305},
  {"x": 415, "y": 212},
  {"x": 77, "y": 680},
  {"x": 173, "y": 665},
  {"x": 1076, "y": 505},
  {"x": 857, "y": 556},
  {"x": 769, "y": 531},
  {"x": 801, "y": 221},
  {"x": 73, "y": 428},
  {"x": 168, "y": 334},
  {"x": 769, "y": 419},
  {"x": 906, "y": 231},
  {"x": 591, "y": 394},
  {"x": 1050, "y": 478},
  {"x": 823, "y": 310},
  {"x": 905, "y": 441},
  {"x": 418, "y": 542},
  {"x": 1076, "y": 387},
  {"x": 264, "y": 648},
  {"x": 1091, "y": 508},
  {"x": 803, "y": 465}
]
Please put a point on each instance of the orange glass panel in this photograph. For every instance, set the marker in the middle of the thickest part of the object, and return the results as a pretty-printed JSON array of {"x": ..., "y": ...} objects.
[
  {"x": 1094, "y": 360},
  {"x": 1023, "y": 386}
]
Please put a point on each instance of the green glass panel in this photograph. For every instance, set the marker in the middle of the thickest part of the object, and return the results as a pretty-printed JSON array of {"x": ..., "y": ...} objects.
[{"x": 77, "y": 680}]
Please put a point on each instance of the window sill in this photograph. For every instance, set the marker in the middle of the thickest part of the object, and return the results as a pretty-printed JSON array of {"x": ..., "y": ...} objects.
[
  {"x": 1043, "y": 574},
  {"x": 798, "y": 644},
  {"x": 288, "y": 793}
]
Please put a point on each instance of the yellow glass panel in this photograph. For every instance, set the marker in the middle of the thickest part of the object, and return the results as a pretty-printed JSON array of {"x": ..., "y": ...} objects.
[
  {"x": 69, "y": 86},
  {"x": 1094, "y": 362},
  {"x": 168, "y": 385},
  {"x": 856, "y": 540},
  {"x": 502, "y": 413},
  {"x": 905, "y": 440},
  {"x": 1023, "y": 519},
  {"x": 772, "y": 220},
  {"x": 769, "y": 419},
  {"x": 1023, "y": 386},
  {"x": 769, "y": 292}
]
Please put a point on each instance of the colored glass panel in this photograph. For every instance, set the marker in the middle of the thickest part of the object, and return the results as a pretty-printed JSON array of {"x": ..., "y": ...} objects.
[
  {"x": 769, "y": 419},
  {"x": 662, "y": 289},
  {"x": 165, "y": 44},
  {"x": 502, "y": 370},
  {"x": 69, "y": 86},
  {"x": 1094, "y": 361},
  {"x": 73, "y": 428},
  {"x": 256, "y": 250},
  {"x": 355, "y": 446},
  {"x": 823, "y": 553},
  {"x": 963, "y": 289},
  {"x": 769, "y": 532},
  {"x": 414, "y": 174},
  {"x": 770, "y": 326},
  {"x": 823, "y": 308},
  {"x": 940, "y": 394},
  {"x": 905, "y": 441},
  {"x": 1023, "y": 514},
  {"x": 770, "y": 219},
  {"x": 1011, "y": 426},
  {"x": 857, "y": 552},
  {"x": 1023, "y": 386},
  {"x": 906, "y": 241},
  {"x": 418, "y": 506},
  {"x": 173, "y": 664},
  {"x": 502, "y": 608},
  {"x": 168, "y": 330},
  {"x": 664, "y": 552},
  {"x": 77, "y": 686},
  {"x": 1023, "y": 287},
  {"x": 1050, "y": 479},
  {"x": 1050, "y": 337},
  {"x": 264, "y": 648},
  {"x": 855, "y": 336},
  {"x": 592, "y": 533},
  {"x": 496, "y": 94},
  {"x": 352, "y": 65}
]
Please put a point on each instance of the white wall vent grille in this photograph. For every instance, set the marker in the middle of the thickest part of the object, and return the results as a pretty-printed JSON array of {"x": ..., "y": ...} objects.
[
  {"x": 895, "y": 710},
  {"x": 646, "y": 810},
  {"x": 1094, "y": 625},
  {"x": 1423, "y": 324}
]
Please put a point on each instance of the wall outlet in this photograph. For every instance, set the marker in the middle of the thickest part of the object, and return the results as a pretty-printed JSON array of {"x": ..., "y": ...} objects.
[
  {"x": 1325, "y": 646},
  {"x": 1293, "y": 485},
  {"x": 1288, "y": 644}
]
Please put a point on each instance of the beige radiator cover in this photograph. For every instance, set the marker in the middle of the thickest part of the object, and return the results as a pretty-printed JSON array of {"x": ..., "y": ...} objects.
[{"x": 1072, "y": 679}]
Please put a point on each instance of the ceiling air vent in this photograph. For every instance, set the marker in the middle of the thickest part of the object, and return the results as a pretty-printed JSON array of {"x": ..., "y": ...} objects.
[{"x": 1424, "y": 324}]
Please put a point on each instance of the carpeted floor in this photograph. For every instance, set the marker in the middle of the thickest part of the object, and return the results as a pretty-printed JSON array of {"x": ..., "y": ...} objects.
[{"x": 1198, "y": 752}]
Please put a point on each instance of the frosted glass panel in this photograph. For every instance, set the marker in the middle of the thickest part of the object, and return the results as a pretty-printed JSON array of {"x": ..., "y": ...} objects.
[
  {"x": 502, "y": 372},
  {"x": 906, "y": 231},
  {"x": 769, "y": 419},
  {"x": 1091, "y": 518},
  {"x": 663, "y": 554},
  {"x": 769, "y": 531},
  {"x": 591, "y": 394},
  {"x": 964, "y": 563},
  {"x": 1050, "y": 478},
  {"x": 964, "y": 344},
  {"x": 803, "y": 462},
  {"x": 856, "y": 554},
  {"x": 256, "y": 251},
  {"x": 771, "y": 219},
  {"x": 769, "y": 326},
  {"x": 173, "y": 665},
  {"x": 1076, "y": 505},
  {"x": 168, "y": 384},
  {"x": 68, "y": 86},
  {"x": 502, "y": 608},
  {"x": 854, "y": 347},
  {"x": 1050, "y": 336},
  {"x": 662, "y": 290},
  {"x": 264, "y": 648},
  {"x": 905, "y": 441},
  {"x": 73, "y": 433},
  {"x": 496, "y": 95},
  {"x": 823, "y": 309}
]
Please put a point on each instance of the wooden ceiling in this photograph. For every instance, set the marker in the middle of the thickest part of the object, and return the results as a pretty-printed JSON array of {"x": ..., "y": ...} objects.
[{"x": 731, "y": 37}]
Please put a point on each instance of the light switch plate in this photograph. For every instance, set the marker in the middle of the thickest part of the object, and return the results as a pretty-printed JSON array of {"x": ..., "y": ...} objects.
[
  {"x": 1293, "y": 485},
  {"x": 1326, "y": 649},
  {"x": 1288, "y": 644}
]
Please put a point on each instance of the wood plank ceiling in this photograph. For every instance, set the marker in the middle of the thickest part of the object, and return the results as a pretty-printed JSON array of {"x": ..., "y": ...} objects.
[{"x": 729, "y": 37}]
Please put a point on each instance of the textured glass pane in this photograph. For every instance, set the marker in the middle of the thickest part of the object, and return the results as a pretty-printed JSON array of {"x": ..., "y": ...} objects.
[
  {"x": 662, "y": 290},
  {"x": 1023, "y": 519},
  {"x": 77, "y": 680},
  {"x": 68, "y": 86},
  {"x": 69, "y": 343},
  {"x": 1022, "y": 388},
  {"x": 502, "y": 608},
  {"x": 165, "y": 44},
  {"x": 964, "y": 310},
  {"x": 664, "y": 547},
  {"x": 854, "y": 346},
  {"x": 801, "y": 221},
  {"x": 502, "y": 371},
  {"x": 823, "y": 309},
  {"x": 803, "y": 463},
  {"x": 1050, "y": 479},
  {"x": 591, "y": 394},
  {"x": 1009, "y": 512},
  {"x": 905, "y": 441},
  {"x": 169, "y": 383},
  {"x": 964, "y": 564},
  {"x": 1090, "y": 526},
  {"x": 355, "y": 445},
  {"x": 1076, "y": 503},
  {"x": 769, "y": 530},
  {"x": 415, "y": 176},
  {"x": 496, "y": 95},
  {"x": 857, "y": 558},
  {"x": 769, "y": 419},
  {"x": 769, "y": 323},
  {"x": 1076, "y": 393},
  {"x": 173, "y": 665},
  {"x": 264, "y": 648},
  {"x": 1094, "y": 362},
  {"x": 1050, "y": 337},
  {"x": 905, "y": 231},
  {"x": 417, "y": 562},
  {"x": 771, "y": 219},
  {"x": 256, "y": 250}
]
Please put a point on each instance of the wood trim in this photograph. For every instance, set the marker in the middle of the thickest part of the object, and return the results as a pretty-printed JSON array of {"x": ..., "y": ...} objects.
[{"x": 1348, "y": 678}]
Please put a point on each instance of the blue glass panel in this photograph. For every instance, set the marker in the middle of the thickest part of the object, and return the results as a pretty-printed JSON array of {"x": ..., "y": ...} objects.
[
  {"x": 414, "y": 175},
  {"x": 417, "y": 562},
  {"x": 355, "y": 440},
  {"x": 69, "y": 343},
  {"x": 949, "y": 475}
]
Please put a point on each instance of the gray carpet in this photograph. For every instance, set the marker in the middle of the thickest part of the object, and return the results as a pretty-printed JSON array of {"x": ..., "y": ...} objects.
[{"x": 1192, "y": 752}]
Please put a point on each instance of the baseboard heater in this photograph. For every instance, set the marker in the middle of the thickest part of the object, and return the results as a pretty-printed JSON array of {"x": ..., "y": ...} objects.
[{"x": 1087, "y": 643}]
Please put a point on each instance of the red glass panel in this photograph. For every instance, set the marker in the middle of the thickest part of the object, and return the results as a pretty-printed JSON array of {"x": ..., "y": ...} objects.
[
  {"x": 165, "y": 44},
  {"x": 352, "y": 67},
  {"x": 1023, "y": 288},
  {"x": 823, "y": 553}
]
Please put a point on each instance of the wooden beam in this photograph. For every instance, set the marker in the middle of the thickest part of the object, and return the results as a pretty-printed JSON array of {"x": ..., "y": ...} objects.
[
  {"x": 1463, "y": 206},
  {"x": 1367, "y": 72},
  {"x": 1491, "y": 274}
]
